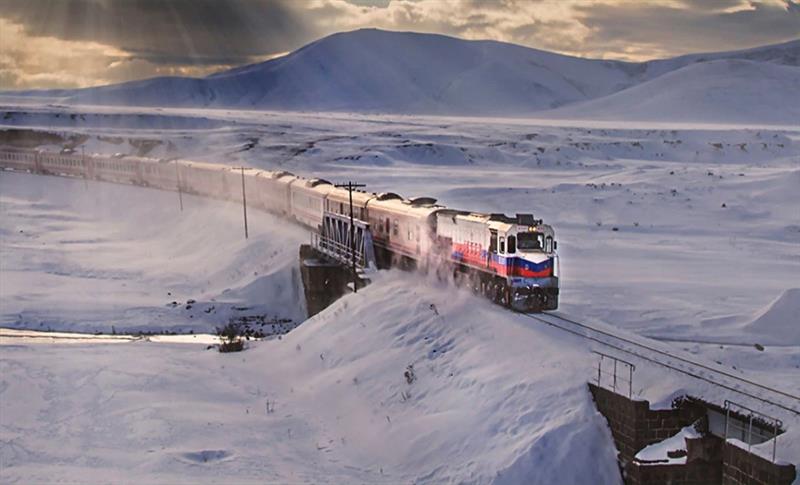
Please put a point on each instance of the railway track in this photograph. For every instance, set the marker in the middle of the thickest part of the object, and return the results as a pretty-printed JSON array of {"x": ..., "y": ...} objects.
[{"x": 665, "y": 357}]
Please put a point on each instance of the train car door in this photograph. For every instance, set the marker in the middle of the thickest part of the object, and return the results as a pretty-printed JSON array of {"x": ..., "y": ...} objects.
[{"x": 492, "y": 246}]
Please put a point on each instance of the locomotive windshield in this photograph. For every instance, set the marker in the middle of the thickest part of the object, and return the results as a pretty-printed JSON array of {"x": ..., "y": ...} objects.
[{"x": 529, "y": 241}]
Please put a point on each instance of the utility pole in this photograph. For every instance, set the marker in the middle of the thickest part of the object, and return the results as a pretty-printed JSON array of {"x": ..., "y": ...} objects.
[
  {"x": 244, "y": 205},
  {"x": 350, "y": 186},
  {"x": 244, "y": 202},
  {"x": 178, "y": 183},
  {"x": 85, "y": 168}
]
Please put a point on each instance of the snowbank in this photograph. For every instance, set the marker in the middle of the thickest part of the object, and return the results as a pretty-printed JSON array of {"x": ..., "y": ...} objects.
[
  {"x": 659, "y": 452},
  {"x": 780, "y": 320},
  {"x": 112, "y": 258},
  {"x": 722, "y": 91},
  {"x": 492, "y": 400}
]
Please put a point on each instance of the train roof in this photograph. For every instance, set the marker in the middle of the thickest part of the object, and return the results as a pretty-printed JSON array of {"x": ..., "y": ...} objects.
[
  {"x": 204, "y": 165},
  {"x": 499, "y": 222},
  {"x": 389, "y": 196},
  {"x": 342, "y": 195},
  {"x": 405, "y": 207},
  {"x": 318, "y": 186}
]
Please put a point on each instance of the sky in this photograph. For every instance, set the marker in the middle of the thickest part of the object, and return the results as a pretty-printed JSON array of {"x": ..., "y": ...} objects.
[{"x": 79, "y": 43}]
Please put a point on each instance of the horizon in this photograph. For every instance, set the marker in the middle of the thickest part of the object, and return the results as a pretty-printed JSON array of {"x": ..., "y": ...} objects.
[{"x": 85, "y": 43}]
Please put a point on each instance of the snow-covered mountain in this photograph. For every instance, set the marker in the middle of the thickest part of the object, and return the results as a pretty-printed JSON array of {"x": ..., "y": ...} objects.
[
  {"x": 371, "y": 70},
  {"x": 724, "y": 90}
]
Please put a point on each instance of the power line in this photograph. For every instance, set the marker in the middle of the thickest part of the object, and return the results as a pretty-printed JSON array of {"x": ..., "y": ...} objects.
[
  {"x": 350, "y": 186},
  {"x": 665, "y": 364}
]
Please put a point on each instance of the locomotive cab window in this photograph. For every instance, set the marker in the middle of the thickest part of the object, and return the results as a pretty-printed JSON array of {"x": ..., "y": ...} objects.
[
  {"x": 548, "y": 244},
  {"x": 502, "y": 245},
  {"x": 493, "y": 242},
  {"x": 529, "y": 240},
  {"x": 512, "y": 244}
]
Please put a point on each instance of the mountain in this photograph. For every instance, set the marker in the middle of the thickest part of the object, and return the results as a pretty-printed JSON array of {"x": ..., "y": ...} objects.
[
  {"x": 372, "y": 70},
  {"x": 723, "y": 90}
]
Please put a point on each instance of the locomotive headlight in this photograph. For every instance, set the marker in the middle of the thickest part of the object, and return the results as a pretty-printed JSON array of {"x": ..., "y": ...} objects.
[{"x": 531, "y": 229}]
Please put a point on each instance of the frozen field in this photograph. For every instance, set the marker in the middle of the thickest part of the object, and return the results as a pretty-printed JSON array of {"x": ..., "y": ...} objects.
[
  {"x": 112, "y": 258},
  {"x": 688, "y": 233},
  {"x": 660, "y": 227}
]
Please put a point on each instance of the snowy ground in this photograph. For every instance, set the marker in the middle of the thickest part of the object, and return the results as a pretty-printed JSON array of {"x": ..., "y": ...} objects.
[
  {"x": 707, "y": 216},
  {"x": 105, "y": 257},
  {"x": 679, "y": 266}
]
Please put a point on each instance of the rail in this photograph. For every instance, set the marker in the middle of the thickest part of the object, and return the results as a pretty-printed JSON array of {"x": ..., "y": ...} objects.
[
  {"x": 640, "y": 351},
  {"x": 336, "y": 244}
]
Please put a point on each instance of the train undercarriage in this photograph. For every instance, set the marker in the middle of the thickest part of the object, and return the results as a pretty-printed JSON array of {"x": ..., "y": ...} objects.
[
  {"x": 522, "y": 296},
  {"x": 528, "y": 296}
]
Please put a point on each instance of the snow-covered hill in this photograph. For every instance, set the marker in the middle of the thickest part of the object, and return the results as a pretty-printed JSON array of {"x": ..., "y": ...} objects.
[
  {"x": 158, "y": 269},
  {"x": 718, "y": 91},
  {"x": 371, "y": 70}
]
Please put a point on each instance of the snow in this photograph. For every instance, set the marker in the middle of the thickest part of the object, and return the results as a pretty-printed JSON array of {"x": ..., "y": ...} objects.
[
  {"x": 105, "y": 257},
  {"x": 781, "y": 319},
  {"x": 732, "y": 91},
  {"x": 658, "y": 452},
  {"x": 705, "y": 258},
  {"x": 774, "y": 324},
  {"x": 375, "y": 71},
  {"x": 343, "y": 411}
]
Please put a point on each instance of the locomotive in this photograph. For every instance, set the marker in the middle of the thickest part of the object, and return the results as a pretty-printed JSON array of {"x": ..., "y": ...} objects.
[{"x": 512, "y": 260}]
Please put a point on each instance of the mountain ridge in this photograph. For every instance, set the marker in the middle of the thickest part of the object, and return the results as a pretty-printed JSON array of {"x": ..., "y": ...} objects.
[{"x": 371, "y": 70}]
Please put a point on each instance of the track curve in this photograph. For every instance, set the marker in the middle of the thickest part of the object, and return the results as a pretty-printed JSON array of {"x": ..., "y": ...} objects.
[{"x": 665, "y": 358}]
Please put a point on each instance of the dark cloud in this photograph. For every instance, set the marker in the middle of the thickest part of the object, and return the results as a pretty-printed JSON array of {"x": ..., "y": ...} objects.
[
  {"x": 674, "y": 29},
  {"x": 69, "y": 43},
  {"x": 190, "y": 32}
]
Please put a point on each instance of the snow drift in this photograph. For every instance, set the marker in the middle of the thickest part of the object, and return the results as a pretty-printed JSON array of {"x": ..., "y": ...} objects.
[
  {"x": 780, "y": 320},
  {"x": 106, "y": 257},
  {"x": 723, "y": 91},
  {"x": 328, "y": 403}
]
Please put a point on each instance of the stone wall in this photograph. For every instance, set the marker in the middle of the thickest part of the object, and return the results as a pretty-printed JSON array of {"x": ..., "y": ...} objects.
[
  {"x": 695, "y": 473},
  {"x": 709, "y": 461},
  {"x": 634, "y": 425},
  {"x": 323, "y": 282},
  {"x": 740, "y": 467}
]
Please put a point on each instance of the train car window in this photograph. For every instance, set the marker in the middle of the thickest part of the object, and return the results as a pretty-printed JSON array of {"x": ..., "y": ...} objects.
[
  {"x": 512, "y": 244},
  {"x": 502, "y": 245},
  {"x": 387, "y": 226},
  {"x": 396, "y": 228}
]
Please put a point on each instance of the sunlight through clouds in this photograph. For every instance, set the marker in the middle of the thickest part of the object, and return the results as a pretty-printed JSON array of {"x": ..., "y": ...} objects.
[{"x": 77, "y": 43}]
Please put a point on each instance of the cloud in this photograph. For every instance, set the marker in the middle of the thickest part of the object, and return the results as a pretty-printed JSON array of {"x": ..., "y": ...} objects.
[
  {"x": 653, "y": 30},
  {"x": 609, "y": 29},
  {"x": 31, "y": 62},
  {"x": 192, "y": 32}
]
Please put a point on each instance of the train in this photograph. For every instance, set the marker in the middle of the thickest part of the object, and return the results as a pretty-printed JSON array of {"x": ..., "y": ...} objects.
[{"x": 513, "y": 260}]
